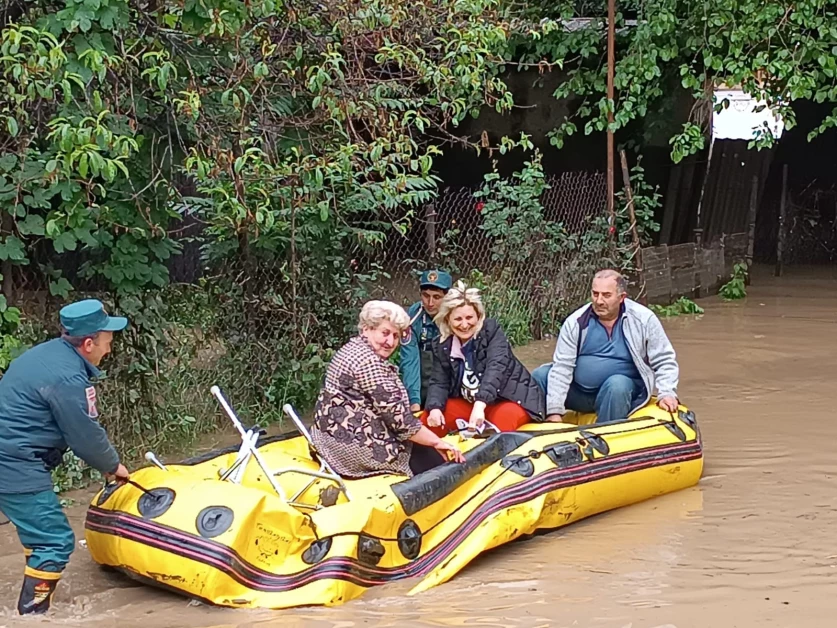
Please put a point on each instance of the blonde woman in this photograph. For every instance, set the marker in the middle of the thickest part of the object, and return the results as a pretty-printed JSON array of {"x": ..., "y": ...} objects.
[
  {"x": 475, "y": 374},
  {"x": 362, "y": 422}
]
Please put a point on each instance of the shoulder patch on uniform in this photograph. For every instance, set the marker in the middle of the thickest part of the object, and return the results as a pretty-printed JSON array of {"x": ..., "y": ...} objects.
[
  {"x": 407, "y": 335},
  {"x": 92, "y": 410}
]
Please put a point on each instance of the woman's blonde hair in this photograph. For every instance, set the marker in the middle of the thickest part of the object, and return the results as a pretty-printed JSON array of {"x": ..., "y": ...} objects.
[
  {"x": 376, "y": 312},
  {"x": 456, "y": 297}
]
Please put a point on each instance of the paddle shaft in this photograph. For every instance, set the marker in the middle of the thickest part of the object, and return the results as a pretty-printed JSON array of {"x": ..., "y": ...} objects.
[{"x": 142, "y": 488}]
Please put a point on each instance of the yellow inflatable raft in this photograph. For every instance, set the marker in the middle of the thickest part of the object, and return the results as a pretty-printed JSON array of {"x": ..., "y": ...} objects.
[{"x": 220, "y": 529}]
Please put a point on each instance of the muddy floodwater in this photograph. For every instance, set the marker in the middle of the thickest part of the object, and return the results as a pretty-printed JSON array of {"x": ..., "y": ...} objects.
[{"x": 753, "y": 544}]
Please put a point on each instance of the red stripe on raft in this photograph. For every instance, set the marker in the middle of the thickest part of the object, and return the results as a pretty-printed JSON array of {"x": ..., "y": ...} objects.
[{"x": 515, "y": 494}]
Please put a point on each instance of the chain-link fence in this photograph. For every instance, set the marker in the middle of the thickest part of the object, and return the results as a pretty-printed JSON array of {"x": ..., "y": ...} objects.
[
  {"x": 530, "y": 280},
  {"x": 262, "y": 326},
  {"x": 263, "y": 330}
]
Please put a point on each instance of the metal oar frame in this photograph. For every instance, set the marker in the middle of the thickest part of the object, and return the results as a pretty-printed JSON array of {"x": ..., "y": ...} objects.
[{"x": 248, "y": 450}]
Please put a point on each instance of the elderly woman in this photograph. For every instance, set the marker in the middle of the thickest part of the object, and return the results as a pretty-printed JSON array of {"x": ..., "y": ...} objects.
[
  {"x": 475, "y": 375},
  {"x": 362, "y": 422}
]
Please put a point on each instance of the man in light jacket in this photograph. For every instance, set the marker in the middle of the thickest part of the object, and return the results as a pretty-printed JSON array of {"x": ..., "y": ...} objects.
[{"x": 610, "y": 356}]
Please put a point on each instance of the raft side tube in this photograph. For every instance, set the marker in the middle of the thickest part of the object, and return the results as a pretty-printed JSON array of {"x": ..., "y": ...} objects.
[{"x": 433, "y": 485}]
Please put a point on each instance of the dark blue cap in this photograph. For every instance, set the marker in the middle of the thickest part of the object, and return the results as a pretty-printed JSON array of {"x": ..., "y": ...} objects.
[
  {"x": 85, "y": 318},
  {"x": 435, "y": 279}
]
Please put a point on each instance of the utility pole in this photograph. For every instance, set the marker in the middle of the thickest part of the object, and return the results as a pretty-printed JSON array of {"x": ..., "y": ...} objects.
[{"x": 611, "y": 63}]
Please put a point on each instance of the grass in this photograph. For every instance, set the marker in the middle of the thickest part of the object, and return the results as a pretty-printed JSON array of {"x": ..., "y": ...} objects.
[{"x": 678, "y": 308}]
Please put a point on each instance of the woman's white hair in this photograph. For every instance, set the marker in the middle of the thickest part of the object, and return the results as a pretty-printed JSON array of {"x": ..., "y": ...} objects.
[
  {"x": 376, "y": 312},
  {"x": 456, "y": 297}
]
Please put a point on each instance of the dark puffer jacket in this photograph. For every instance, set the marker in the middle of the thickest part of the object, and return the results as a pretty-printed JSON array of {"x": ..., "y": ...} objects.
[{"x": 502, "y": 376}]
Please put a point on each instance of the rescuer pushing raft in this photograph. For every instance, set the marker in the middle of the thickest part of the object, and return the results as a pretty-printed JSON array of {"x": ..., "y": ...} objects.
[{"x": 48, "y": 404}]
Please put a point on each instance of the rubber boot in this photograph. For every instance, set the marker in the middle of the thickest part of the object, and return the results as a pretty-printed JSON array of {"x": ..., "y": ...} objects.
[{"x": 36, "y": 593}]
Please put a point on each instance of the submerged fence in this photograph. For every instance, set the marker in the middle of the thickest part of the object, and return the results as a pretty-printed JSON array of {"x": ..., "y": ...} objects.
[{"x": 530, "y": 279}]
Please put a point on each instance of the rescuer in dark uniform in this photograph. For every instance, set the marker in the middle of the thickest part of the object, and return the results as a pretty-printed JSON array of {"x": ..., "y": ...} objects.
[
  {"x": 415, "y": 357},
  {"x": 48, "y": 405}
]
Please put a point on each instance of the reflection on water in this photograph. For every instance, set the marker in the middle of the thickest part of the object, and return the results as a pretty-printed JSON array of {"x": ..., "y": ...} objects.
[{"x": 750, "y": 545}]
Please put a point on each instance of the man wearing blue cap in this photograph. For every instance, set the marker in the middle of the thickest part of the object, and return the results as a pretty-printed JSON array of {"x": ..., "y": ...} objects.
[
  {"x": 47, "y": 405},
  {"x": 416, "y": 358}
]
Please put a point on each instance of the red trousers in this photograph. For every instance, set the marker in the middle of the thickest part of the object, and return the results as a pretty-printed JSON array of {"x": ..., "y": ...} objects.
[{"x": 506, "y": 415}]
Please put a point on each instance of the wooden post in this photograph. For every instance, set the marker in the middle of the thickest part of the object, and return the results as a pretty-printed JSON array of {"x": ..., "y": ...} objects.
[
  {"x": 673, "y": 196},
  {"x": 629, "y": 194},
  {"x": 751, "y": 231},
  {"x": 780, "y": 240},
  {"x": 430, "y": 217},
  {"x": 294, "y": 280},
  {"x": 698, "y": 231},
  {"x": 611, "y": 65}
]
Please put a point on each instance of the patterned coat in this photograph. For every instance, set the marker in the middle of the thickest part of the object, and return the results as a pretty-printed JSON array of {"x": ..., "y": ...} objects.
[{"x": 362, "y": 420}]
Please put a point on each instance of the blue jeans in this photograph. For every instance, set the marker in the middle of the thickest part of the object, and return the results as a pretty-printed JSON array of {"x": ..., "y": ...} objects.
[
  {"x": 42, "y": 528},
  {"x": 614, "y": 401}
]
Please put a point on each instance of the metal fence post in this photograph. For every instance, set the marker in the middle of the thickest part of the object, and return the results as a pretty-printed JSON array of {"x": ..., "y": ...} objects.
[
  {"x": 751, "y": 231},
  {"x": 780, "y": 240},
  {"x": 430, "y": 217}
]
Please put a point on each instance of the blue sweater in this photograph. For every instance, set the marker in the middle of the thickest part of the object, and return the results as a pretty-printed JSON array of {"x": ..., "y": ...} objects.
[{"x": 602, "y": 356}]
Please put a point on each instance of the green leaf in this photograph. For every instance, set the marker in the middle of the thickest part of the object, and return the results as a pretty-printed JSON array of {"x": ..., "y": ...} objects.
[
  {"x": 60, "y": 288},
  {"x": 161, "y": 249},
  {"x": 121, "y": 166},
  {"x": 84, "y": 23},
  {"x": 12, "y": 316},
  {"x": 84, "y": 236},
  {"x": 65, "y": 241},
  {"x": 8, "y": 162},
  {"x": 32, "y": 225},
  {"x": 12, "y": 249},
  {"x": 11, "y": 126},
  {"x": 82, "y": 165},
  {"x": 108, "y": 15}
]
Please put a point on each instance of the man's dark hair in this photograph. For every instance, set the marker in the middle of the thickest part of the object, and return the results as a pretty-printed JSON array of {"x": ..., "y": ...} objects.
[{"x": 77, "y": 341}]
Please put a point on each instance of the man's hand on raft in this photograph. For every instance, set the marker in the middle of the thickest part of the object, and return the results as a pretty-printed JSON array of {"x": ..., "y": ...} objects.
[
  {"x": 669, "y": 404},
  {"x": 120, "y": 475}
]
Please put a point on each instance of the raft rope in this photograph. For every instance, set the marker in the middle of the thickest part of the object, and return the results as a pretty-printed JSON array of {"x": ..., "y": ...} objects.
[{"x": 532, "y": 455}]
